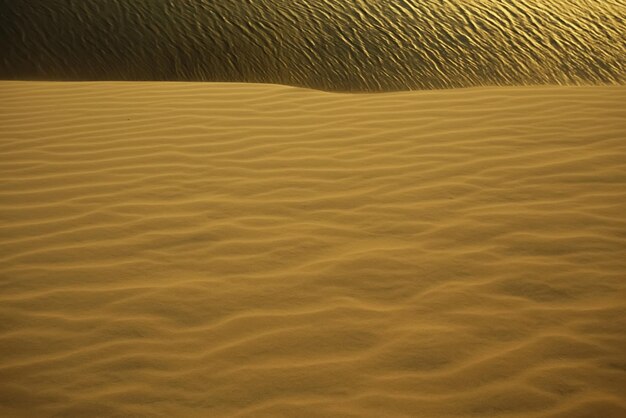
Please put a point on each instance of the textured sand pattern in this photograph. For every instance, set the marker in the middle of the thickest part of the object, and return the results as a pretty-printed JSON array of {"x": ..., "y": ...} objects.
[
  {"x": 182, "y": 250},
  {"x": 339, "y": 45}
]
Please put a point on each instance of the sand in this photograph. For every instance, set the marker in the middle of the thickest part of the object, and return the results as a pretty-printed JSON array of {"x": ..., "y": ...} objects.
[
  {"x": 333, "y": 45},
  {"x": 242, "y": 250}
]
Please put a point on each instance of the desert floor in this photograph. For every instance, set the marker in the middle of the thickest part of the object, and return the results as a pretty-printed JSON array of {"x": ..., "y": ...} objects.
[{"x": 242, "y": 250}]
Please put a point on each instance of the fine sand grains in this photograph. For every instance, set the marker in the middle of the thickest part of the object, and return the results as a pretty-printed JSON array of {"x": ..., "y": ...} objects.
[{"x": 231, "y": 250}]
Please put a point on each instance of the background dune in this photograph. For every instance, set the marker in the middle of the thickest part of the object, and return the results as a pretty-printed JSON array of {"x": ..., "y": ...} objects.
[
  {"x": 265, "y": 251},
  {"x": 339, "y": 45}
]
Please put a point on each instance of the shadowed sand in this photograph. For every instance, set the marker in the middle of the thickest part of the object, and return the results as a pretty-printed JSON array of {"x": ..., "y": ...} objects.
[
  {"x": 337, "y": 45},
  {"x": 197, "y": 250}
]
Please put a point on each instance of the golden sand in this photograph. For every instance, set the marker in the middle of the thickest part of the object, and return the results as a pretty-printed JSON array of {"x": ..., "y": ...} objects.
[
  {"x": 231, "y": 250},
  {"x": 336, "y": 45}
]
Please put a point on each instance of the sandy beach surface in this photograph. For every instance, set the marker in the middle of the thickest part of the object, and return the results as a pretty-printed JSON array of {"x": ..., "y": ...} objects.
[{"x": 247, "y": 250}]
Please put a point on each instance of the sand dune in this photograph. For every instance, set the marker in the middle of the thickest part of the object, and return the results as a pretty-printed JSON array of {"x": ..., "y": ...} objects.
[
  {"x": 196, "y": 250},
  {"x": 336, "y": 45}
]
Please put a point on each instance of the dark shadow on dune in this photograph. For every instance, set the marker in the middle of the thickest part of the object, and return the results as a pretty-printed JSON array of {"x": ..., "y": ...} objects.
[{"x": 345, "y": 45}]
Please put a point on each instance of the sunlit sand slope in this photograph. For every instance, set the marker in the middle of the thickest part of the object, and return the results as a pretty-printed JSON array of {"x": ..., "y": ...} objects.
[
  {"x": 182, "y": 250},
  {"x": 339, "y": 45}
]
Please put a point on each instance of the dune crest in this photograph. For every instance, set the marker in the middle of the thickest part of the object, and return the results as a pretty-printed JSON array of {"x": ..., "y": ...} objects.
[{"x": 225, "y": 250}]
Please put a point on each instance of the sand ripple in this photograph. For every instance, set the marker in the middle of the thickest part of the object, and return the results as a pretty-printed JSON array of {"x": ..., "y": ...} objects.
[
  {"x": 263, "y": 251},
  {"x": 344, "y": 45}
]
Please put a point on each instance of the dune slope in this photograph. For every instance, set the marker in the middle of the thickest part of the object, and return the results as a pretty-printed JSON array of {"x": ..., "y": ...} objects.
[
  {"x": 197, "y": 250},
  {"x": 337, "y": 45}
]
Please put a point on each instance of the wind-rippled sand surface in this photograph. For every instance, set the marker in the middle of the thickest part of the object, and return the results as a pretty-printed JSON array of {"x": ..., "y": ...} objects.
[
  {"x": 341, "y": 45},
  {"x": 241, "y": 250}
]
